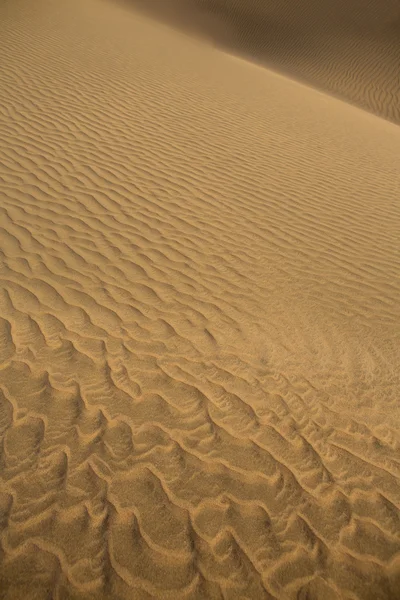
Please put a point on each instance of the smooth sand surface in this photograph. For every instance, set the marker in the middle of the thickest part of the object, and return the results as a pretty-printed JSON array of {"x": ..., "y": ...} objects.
[{"x": 199, "y": 321}]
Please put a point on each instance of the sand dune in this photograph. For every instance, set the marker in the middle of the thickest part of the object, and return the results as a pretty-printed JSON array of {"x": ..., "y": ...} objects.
[
  {"x": 199, "y": 321},
  {"x": 349, "y": 49}
]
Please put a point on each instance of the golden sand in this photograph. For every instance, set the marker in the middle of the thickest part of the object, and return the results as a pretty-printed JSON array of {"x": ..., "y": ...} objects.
[{"x": 199, "y": 315}]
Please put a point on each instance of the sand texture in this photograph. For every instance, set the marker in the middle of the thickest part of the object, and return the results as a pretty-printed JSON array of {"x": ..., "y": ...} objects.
[
  {"x": 348, "y": 48},
  {"x": 199, "y": 320}
]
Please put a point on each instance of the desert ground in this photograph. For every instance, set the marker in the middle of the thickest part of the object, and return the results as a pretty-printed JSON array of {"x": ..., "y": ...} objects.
[{"x": 199, "y": 300}]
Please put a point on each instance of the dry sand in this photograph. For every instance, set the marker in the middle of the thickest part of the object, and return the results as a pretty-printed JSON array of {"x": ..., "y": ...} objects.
[
  {"x": 200, "y": 321},
  {"x": 349, "y": 48}
]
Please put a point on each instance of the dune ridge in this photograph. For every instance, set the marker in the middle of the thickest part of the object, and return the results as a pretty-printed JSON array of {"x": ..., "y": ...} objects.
[
  {"x": 348, "y": 49},
  {"x": 200, "y": 321}
]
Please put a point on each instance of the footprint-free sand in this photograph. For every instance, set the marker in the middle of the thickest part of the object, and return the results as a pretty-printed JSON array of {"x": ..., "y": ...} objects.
[{"x": 199, "y": 316}]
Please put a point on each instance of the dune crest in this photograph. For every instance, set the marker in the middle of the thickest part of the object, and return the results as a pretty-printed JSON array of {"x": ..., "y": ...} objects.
[
  {"x": 348, "y": 49},
  {"x": 199, "y": 321}
]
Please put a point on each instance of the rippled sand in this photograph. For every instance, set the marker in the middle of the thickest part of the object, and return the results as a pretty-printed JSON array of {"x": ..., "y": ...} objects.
[{"x": 199, "y": 320}]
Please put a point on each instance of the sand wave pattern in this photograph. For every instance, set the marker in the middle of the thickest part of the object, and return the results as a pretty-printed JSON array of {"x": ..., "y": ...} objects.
[
  {"x": 199, "y": 322},
  {"x": 349, "y": 49}
]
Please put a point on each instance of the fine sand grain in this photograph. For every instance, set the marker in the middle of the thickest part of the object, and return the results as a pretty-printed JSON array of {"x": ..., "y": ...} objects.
[{"x": 199, "y": 321}]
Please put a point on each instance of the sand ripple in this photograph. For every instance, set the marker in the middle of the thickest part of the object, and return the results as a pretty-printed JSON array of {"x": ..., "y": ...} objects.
[{"x": 199, "y": 332}]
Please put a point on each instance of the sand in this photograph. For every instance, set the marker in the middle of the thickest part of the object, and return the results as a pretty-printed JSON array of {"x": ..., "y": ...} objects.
[
  {"x": 199, "y": 320},
  {"x": 348, "y": 48}
]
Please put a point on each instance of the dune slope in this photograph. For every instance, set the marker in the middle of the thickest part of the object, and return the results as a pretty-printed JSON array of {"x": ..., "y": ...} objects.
[
  {"x": 199, "y": 321},
  {"x": 350, "y": 49}
]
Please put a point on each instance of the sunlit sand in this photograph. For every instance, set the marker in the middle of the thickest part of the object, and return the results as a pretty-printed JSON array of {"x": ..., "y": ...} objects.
[{"x": 199, "y": 315}]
